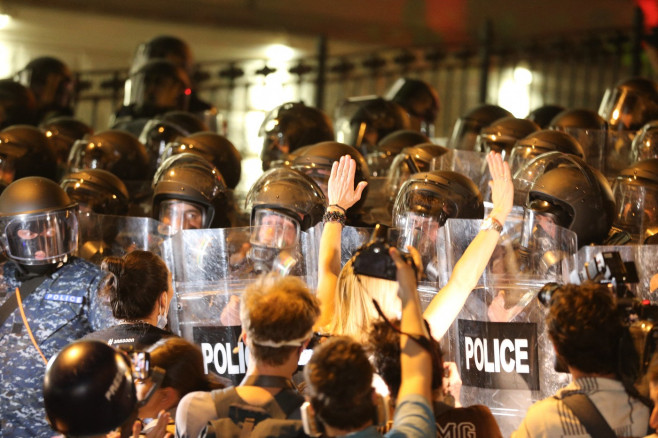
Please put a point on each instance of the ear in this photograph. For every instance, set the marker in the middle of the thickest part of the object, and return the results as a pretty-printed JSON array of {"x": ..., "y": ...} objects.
[
  {"x": 170, "y": 396},
  {"x": 164, "y": 299}
]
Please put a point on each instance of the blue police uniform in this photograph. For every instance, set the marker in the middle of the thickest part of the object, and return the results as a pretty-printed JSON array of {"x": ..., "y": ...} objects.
[{"x": 63, "y": 308}]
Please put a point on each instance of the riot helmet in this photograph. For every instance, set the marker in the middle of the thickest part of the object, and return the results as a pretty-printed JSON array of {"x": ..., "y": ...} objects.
[
  {"x": 25, "y": 151},
  {"x": 501, "y": 135},
  {"x": 636, "y": 198},
  {"x": 216, "y": 149},
  {"x": 62, "y": 132},
  {"x": 380, "y": 159},
  {"x": 420, "y": 100},
  {"x": 39, "y": 222},
  {"x": 168, "y": 47},
  {"x": 468, "y": 126},
  {"x": 589, "y": 128},
  {"x": 645, "y": 143},
  {"x": 155, "y": 88},
  {"x": 97, "y": 191},
  {"x": 163, "y": 129},
  {"x": 290, "y": 126},
  {"x": 18, "y": 106},
  {"x": 630, "y": 104},
  {"x": 316, "y": 161},
  {"x": 88, "y": 389},
  {"x": 426, "y": 200},
  {"x": 283, "y": 202},
  {"x": 362, "y": 122},
  {"x": 543, "y": 115},
  {"x": 568, "y": 192},
  {"x": 411, "y": 160},
  {"x": 113, "y": 150},
  {"x": 189, "y": 193},
  {"x": 541, "y": 142},
  {"x": 52, "y": 83}
]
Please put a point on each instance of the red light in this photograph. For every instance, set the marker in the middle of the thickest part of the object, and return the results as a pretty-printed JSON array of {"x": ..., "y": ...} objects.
[
  {"x": 646, "y": 302},
  {"x": 188, "y": 91}
]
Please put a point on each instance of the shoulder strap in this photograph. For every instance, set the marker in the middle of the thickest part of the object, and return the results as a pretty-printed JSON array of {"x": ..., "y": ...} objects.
[
  {"x": 589, "y": 416},
  {"x": 26, "y": 288}
]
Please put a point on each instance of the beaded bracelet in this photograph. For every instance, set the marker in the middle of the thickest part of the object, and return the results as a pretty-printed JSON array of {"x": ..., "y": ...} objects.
[{"x": 334, "y": 216}]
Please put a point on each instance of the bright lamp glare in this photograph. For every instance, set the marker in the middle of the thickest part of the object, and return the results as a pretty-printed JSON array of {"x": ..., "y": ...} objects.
[
  {"x": 522, "y": 75},
  {"x": 279, "y": 52},
  {"x": 4, "y": 20}
]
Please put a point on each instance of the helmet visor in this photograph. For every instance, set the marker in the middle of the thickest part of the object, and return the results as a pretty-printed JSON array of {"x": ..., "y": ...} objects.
[
  {"x": 637, "y": 208},
  {"x": 434, "y": 204},
  {"x": 273, "y": 229},
  {"x": 182, "y": 215},
  {"x": 35, "y": 239}
]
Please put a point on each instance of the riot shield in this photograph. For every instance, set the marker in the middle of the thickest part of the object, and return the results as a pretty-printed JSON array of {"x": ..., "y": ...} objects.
[
  {"x": 352, "y": 238},
  {"x": 618, "y": 153},
  {"x": 377, "y": 208},
  {"x": 211, "y": 268},
  {"x": 102, "y": 235},
  {"x": 469, "y": 163},
  {"x": 498, "y": 340}
]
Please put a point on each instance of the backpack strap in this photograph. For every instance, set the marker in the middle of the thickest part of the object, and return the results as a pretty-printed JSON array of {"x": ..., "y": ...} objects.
[
  {"x": 26, "y": 288},
  {"x": 589, "y": 415}
]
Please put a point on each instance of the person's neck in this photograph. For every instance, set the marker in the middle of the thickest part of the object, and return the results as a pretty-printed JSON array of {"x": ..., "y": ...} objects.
[
  {"x": 150, "y": 319},
  {"x": 578, "y": 374},
  {"x": 331, "y": 431},
  {"x": 262, "y": 369}
]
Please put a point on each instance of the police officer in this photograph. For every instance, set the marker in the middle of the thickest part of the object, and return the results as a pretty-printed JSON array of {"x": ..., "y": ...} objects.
[
  {"x": 48, "y": 297},
  {"x": 468, "y": 126}
]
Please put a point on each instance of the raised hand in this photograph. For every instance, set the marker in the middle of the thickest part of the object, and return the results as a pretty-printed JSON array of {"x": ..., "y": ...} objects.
[
  {"x": 502, "y": 189},
  {"x": 341, "y": 189}
]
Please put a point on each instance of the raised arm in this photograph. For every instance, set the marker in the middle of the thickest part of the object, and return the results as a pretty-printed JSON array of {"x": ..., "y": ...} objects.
[
  {"x": 341, "y": 196},
  {"x": 446, "y": 305},
  {"x": 415, "y": 361}
]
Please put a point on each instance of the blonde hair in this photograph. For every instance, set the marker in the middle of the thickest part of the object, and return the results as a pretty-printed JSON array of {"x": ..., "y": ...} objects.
[{"x": 354, "y": 311}]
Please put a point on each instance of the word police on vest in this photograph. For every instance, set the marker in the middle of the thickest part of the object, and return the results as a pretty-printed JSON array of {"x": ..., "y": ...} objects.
[{"x": 222, "y": 357}]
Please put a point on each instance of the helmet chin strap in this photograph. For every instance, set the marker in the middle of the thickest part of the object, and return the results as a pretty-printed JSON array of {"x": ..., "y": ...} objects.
[{"x": 29, "y": 271}]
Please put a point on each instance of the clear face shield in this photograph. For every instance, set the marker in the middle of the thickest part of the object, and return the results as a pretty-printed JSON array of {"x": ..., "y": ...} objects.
[
  {"x": 645, "y": 144},
  {"x": 182, "y": 215},
  {"x": 542, "y": 224},
  {"x": 274, "y": 237},
  {"x": 40, "y": 239},
  {"x": 275, "y": 146},
  {"x": 637, "y": 209},
  {"x": 486, "y": 142},
  {"x": 420, "y": 232},
  {"x": 594, "y": 143},
  {"x": 155, "y": 135},
  {"x": 464, "y": 135}
]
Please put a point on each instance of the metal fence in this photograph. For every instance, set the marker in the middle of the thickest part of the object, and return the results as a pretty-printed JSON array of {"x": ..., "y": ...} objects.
[{"x": 568, "y": 70}]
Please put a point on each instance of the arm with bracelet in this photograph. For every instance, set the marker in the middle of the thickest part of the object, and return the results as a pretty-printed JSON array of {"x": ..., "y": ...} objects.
[
  {"x": 341, "y": 195},
  {"x": 447, "y": 303}
]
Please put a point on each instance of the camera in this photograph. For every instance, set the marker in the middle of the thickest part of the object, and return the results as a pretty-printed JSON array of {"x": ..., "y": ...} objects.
[{"x": 373, "y": 259}]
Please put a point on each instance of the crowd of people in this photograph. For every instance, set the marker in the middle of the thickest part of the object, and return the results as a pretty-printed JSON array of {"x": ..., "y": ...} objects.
[{"x": 86, "y": 342}]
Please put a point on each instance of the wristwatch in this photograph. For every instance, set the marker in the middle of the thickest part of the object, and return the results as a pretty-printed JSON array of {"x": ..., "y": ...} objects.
[{"x": 491, "y": 223}]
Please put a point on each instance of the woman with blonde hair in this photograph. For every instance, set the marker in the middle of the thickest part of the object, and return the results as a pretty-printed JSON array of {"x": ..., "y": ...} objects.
[{"x": 346, "y": 298}]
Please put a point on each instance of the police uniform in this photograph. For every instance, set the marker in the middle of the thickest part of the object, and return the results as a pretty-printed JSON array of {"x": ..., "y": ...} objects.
[{"x": 63, "y": 308}]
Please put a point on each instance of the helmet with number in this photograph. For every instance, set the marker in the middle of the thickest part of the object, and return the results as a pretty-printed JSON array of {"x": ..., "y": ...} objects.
[
  {"x": 373, "y": 120},
  {"x": 25, "y": 151},
  {"x": 116, "y": 151},
  {"x": 420, "y": 100},
  {"x": 155, "y": 88},
  {"x": 316, "y": 161},
  {"x": 88, "y": 389},
  {"x": 18, "y": 106},
  {"x": 571, "y": 194},
  {"x": 468, "y": 126},
  {"x": 189, "y": 193},
  {"x": 97, "y": 190},
  {"x": 501, "y": 135},
  {"x": 645, "y": 143},
  {"x": 543, "y": 115},
  {"x": 38, "y": 221},
  {"x": 427, "y": 199},
  {"x": 589, "y": 128},
  {"x": 380, "y": 159},
  {"x": 62, "y": 132},
  {"x": 291, "y": 126},
  {"x": 215, "y": 148},
  {"x": 411, "y": 160},
  {"x": 636, "y": 199},
  {"x": 541, "y": 142},
  {"x": 161, "y": 130},
  {"x": 52, "y": 83},
  {"x": 630, "y": 104}
]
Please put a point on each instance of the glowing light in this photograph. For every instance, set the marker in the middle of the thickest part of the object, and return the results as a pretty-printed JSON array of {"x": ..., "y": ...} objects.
[
  {"x": 615, "y": 114},
  {"x": 279, "y": 52},
  {"x": 4, "y": 20},
  {"x": 522, "y": 75}
]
